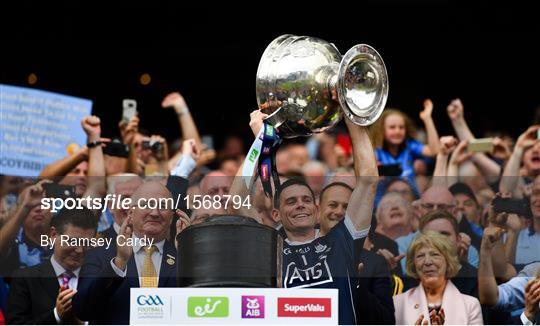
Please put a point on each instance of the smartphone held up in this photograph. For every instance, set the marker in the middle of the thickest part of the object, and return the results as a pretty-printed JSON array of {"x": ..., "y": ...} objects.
[
  {"x": 480, "y": 145},
  {"x": 129, "y": 109}
]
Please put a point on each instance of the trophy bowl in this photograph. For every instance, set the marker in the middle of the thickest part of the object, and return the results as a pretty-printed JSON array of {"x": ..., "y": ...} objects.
[{"x": 305, "y": 85}]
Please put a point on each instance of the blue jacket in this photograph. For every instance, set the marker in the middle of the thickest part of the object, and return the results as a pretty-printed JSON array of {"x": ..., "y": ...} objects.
[{"x": 103, "y": 296}]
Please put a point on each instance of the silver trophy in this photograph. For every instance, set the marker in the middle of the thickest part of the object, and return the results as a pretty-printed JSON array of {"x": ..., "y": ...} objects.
[{"x": 302, "y": 82}]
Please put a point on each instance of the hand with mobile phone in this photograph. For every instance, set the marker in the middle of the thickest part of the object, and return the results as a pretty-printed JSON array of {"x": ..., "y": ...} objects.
[
  {"x": 480, "y": 145},
  {"x": 510, "y": 206},
  {"x": 528, "y": 138},
  {"x": 208, "y": 140},
  {"x": 129, "y": 109},
  {"x": 56, "y": 190},
  {"x": 116, "y": 148}
]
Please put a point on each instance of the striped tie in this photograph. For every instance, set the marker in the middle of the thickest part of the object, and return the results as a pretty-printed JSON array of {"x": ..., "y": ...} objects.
[{"x": 149, "y": 275}]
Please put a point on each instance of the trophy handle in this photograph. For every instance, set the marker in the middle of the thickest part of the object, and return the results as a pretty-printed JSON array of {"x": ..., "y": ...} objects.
[{"x": 362, "y": 84}]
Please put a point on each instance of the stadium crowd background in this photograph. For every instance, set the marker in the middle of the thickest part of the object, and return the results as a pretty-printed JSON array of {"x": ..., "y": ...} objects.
[{"x": 429, "y": 54}]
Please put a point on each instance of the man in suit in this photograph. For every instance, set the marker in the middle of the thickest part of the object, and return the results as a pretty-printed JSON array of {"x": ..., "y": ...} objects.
[
  {"x": 108, "y": 274},
  {"x": 42, "y": 294}
]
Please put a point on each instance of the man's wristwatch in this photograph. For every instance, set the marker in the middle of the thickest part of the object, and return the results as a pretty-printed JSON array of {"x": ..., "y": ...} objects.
[{"x": 93, "y": 144}]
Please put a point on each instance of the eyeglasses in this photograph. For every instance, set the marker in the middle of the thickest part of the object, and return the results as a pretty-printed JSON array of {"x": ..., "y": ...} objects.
[{"x": 433, "y": 207}]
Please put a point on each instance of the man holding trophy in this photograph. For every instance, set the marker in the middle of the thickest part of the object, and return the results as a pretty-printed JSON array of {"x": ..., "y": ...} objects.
[{"x": 313, "y": 86}]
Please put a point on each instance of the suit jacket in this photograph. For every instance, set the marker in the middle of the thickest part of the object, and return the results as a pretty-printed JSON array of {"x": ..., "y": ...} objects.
[
  {"x": 32, "y": 296},
  {"x": 109, "y": 233},
  {"x": 103, "y": 296},
  {"x": 375, "y": 305},
  {"x": 459, "y": 309}
]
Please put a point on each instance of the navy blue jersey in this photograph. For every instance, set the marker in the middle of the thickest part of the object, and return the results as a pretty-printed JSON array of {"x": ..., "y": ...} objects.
[{"x": 326, "y": 262}]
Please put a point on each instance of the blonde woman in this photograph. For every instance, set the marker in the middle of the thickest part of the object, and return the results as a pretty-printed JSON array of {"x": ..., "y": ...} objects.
[{"x": 433, "y": 260}]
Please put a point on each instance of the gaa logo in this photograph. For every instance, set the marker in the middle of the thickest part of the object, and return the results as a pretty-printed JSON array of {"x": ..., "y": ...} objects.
[{"x": 149, "y": 300}]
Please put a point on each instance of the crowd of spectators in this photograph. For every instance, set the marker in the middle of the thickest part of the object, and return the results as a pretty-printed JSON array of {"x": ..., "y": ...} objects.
[{"x": 417, "y": 227}]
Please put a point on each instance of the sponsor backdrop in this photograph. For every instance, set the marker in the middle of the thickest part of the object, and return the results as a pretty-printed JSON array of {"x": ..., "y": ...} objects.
[
  {"x": 233, "y": 306},
  {"x": 37, "y": 128}
]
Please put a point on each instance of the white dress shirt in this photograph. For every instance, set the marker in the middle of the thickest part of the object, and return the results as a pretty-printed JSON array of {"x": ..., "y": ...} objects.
[{"x": 525, "y": 320}]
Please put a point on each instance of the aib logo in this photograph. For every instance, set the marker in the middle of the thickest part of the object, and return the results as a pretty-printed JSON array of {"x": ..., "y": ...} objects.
[
  {"x": 252, "y": 306},
  {"x": 208, "y": 307},
  {"x": 149, "y": 300}
]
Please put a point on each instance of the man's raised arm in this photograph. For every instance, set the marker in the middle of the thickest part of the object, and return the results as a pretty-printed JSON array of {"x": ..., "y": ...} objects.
[
  {"x": 240, "y": 186},
  {"x": 365, "y": 167}
]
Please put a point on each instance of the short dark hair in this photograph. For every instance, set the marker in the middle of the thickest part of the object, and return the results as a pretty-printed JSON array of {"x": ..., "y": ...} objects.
[
  {"x": 288, "y": 183},
  {"x": 334, "y": 184},
  {"x": 436, "y": 215},
  {"x": 82, "y": 218}
]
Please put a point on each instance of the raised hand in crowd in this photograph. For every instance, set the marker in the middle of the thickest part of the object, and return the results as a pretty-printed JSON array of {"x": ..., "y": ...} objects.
[
  {"x": 455, "y": 110},
  {"x": 187, "y": 162},
  {"x": 129, "y": 130},
  {"x": 190, "y": 147},
  {"x": 501, "y": 150},
  {"x": 160, "y": 152},
  {"x": 432, "y": 136},
  {"x": 459, "y": 156},
  {"x": 176, "y": 101},
  {"x": 427, "y": 110},
  {"x": 485, "y": 165},
  {"x": 487, "y": 283},
  {"x": 92, "y": 127},
  {"x": 28, "y": 200},
  {"x": 188, "y": 127},
  {"x": 521, "y": 162},
  {"x": 130, "y": 137},
  {"x": 494, "y": 254},
  {"x": 512, "y": 225},
  {"x": 97, "y": 186},
  {"x": 527, "y": 139},
  {"x": 448, "y": 144}
]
